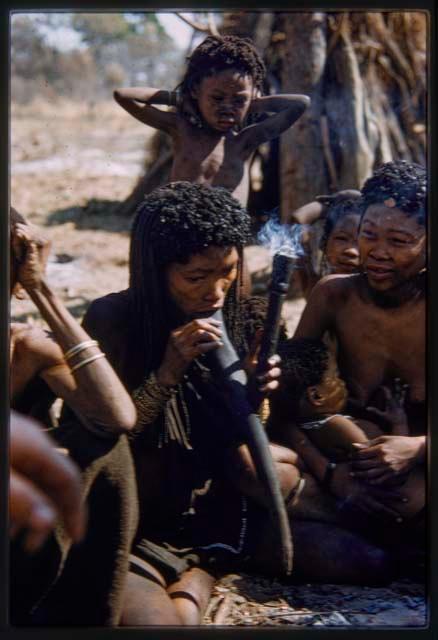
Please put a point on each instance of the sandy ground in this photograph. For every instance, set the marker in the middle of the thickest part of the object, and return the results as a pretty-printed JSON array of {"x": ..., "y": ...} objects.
[{"x": 70, "y": 166}]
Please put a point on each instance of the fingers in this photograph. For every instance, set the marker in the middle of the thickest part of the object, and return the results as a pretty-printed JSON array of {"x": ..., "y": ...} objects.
[
  {"x": 370, "y": 476},
  {"x": 387, "y": 394},
  {"x": 400, "y": 391},
  {"x": 382, "y": 479},
  {"x": 269, "y": 381},
  {"x": 27, "y": 233},
  {"x": 29, "y": 509},
  {"x": 34, "y": 456},
  {"x": 196, "y": 337},
  {"x": 378, "y": 508},
  {"x": 369, "y": 450},
  {"x": 209, "y": 326}
]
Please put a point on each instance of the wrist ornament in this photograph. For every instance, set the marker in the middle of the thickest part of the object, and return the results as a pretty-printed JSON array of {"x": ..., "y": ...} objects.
[{"x": 150, "y": 398}]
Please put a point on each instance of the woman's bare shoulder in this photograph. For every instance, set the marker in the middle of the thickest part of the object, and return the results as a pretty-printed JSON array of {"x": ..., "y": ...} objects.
[{"x": 336, "y": 286}]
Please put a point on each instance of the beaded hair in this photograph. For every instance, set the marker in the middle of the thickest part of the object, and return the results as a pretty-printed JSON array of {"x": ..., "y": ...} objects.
[{"x": 398, "y": 184}]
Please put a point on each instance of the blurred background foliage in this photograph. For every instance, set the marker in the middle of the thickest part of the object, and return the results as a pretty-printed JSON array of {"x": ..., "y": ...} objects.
[{"x": 108, "y": 50}]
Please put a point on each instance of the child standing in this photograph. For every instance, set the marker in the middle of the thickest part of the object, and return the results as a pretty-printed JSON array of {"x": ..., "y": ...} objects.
[{"x": 212, "y": 142}]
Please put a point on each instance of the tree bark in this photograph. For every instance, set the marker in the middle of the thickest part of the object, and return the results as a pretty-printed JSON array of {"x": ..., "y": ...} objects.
[{"x": 302, "y": 167}]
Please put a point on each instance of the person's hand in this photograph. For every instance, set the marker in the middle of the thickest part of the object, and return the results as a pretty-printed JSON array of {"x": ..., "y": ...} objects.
[
  {"x": 394, "y": 413},
  {"x": 386, "y": 457},
  {"x": 184, "y": 345},
  {"x": 267, "y": 380},
  {"x": 256, "y": 105},
  {"x": 44, "y": 486},
  {"x": 372, "y": 501},
  {"x": 31, "y": 250}
]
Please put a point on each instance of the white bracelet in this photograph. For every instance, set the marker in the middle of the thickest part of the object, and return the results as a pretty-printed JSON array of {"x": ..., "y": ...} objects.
[
  {"x": 79, "y": 347},
  {"x": 87, "y": 361}
]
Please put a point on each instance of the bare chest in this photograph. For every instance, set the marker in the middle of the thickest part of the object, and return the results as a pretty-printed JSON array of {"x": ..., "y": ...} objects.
[
  {"x": 377, "y": 345},
  {"x": 210, "y": 160}
]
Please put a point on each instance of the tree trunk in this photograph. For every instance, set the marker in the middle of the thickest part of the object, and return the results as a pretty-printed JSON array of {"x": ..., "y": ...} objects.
[
  {"x": 302, "y": 167},
  {"x": 366, "y": 75}
]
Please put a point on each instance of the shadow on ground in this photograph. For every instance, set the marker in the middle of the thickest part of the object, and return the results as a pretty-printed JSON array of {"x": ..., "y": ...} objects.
[
  {"x": 77, "y": 310},
  {"x": 101, "y": 215}
]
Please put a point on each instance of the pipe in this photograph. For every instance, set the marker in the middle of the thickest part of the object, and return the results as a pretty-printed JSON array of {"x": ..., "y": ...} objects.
[
  {"x": 281, "y": 272},
  {"x": 225, "y": 364}
]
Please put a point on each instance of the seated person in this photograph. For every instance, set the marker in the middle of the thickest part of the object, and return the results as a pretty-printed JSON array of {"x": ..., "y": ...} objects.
[
  {"x": 65, "y": 583},
  {"x": 329, "y": 237},
  {"x": 311, "y": 400},
  {"x": 185, "y": 264},
  {"x": 378, "y": 315}
]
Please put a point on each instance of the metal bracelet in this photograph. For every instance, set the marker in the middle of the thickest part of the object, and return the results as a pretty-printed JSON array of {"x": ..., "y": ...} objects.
[
  {"x": 79, "y": 347},
  {"x": 87, "y": 361}
]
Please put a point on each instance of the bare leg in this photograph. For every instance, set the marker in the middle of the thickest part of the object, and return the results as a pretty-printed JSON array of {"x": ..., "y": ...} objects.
[
  {"x": 146, "y": 601},
  {"x": 191, "y": 594}
]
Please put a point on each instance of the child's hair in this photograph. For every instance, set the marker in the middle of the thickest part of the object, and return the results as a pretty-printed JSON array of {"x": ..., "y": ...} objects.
[
  {"x": 403, "y": 183},
  {"x": 304, "y": 362},
  {"x": 218, "y": 53},
  {"x": 337, "y": 208}
]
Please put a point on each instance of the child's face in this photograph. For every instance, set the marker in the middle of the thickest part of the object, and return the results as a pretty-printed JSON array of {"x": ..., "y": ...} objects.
[
  {"x": 341, "y": 251},
  {"x": 224, "y": 99},
  {"x": 331, "y": 390},
  {"x": 392, "y": 246}
]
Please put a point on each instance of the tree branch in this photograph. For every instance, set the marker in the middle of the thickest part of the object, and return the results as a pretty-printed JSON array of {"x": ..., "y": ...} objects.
[{"x": 204, "y": 28}]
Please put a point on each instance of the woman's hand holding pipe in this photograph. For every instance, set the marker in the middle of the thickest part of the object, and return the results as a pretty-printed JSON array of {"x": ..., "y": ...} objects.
[
  {"x": 184, "y": 345},
  {"x": 266, "y": 381}
]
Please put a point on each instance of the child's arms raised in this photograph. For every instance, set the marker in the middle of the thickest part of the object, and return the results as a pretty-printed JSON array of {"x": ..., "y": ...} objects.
[
  {"x": 138, "y": 100},
  {"x": 286, "y": 110}
]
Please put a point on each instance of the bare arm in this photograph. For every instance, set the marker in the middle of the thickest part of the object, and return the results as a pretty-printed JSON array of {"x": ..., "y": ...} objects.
[
  {"x": 138, "y": 102},
  {"x": 93, "y": 391},
  {"x": 317, "y": 316},
  {"x": 286, "y": 110},
  {"x": 307, "y": 214}
]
